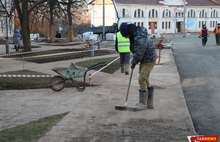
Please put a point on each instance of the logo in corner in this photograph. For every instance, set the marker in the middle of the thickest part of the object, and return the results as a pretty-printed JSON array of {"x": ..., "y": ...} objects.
[{"x": 211, "y": 138}]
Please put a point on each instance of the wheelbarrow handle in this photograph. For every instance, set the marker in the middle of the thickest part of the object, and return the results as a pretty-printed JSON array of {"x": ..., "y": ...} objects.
[{"x": 100, "y": 64}]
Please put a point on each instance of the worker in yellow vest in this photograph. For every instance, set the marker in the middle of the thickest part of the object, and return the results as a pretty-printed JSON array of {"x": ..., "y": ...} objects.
[{"x": 122, "y": 46}]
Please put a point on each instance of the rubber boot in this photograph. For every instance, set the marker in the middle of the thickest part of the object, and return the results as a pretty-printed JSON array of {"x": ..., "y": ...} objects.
[
  {"x": 122, "y": 69},
  {"x": 126, "y": 69},
  {"x": 150, "y": 100},
  {"x": 143, "y": 97}
]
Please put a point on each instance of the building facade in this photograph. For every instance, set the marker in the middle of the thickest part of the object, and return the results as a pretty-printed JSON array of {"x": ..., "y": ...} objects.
[
  {"x": 6, "y": 23},
  {"x": 164, "y": 16}
]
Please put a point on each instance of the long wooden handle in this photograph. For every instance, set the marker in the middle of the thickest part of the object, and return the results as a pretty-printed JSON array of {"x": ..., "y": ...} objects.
[{"x": 129, "y": 86}]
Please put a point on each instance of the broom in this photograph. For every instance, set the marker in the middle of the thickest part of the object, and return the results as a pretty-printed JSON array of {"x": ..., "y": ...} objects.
[{"x": 125, "y": 107}]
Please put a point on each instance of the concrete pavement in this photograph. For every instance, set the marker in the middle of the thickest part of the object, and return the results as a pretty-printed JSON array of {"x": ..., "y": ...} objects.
[{"x": 92, "y": 116}]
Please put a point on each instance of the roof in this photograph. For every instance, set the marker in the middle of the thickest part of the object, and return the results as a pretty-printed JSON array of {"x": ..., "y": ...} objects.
[
  {"x": 156, "y": 2},
  {"x": 145, "y": 2},
  {"x": 203, "y": 2}
]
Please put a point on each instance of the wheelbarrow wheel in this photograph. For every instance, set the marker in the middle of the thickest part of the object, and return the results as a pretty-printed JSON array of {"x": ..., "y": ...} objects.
[{"x": 57, "y": 83}]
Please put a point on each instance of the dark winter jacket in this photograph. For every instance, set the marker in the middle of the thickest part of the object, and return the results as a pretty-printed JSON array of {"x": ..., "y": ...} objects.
[
  {"x": 204, "y": 32},
  {"x": 143, "y": 48}
]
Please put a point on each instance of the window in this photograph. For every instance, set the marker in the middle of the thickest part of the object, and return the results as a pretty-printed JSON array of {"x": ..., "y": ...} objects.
[
  {"x": 2, "y": 26},
  {"x": 213, "y": 24},
  {"x": 153, "y": 13},
  {"x": 124, "y": 13},
  {"x": 179, "y": 14},
  {"x": 203, "y": 14},
  {"x": 192, "y": 13},
  {"x": 10, "y": 27},
  {"x": 139, "y": 23},
  {"x": 166, "y": 13},
  {"x": 214, "y": 14},
  {"x": 201, "y": 23},
  {"x": 165, "y": 25},
  {"x": 139, "y": 13}
]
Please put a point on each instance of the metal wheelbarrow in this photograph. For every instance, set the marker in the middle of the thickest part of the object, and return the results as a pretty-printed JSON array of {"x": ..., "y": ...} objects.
[{"x": 57, "y": 83}]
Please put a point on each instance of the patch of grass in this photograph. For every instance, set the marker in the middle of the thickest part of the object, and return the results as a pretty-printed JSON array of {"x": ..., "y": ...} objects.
[
  {"x": 32, "y": 46},
  {"x": 10, "y": 83},
  {"x": 109, "y": 69},
  {"x": 31, "y": 131},
  {"x": 23, "y": 82}
]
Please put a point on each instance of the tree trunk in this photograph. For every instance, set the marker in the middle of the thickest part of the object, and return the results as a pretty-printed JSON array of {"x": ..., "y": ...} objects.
[
  {"x": 25, "y": 26},
  {"x": 52, "y": 3},
  {"x": 51, "y": 32},
  {"x": 70, "y": 34}
]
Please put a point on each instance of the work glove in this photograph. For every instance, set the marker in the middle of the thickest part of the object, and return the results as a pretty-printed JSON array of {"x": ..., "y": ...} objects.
[{"x": 132, "y": 66}]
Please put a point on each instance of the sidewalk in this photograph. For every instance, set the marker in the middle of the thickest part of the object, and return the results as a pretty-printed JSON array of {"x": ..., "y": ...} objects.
[{"x": 92, "y": 116}]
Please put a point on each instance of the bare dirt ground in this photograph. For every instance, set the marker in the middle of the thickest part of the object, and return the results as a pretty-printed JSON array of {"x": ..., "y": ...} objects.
[
  {"x": 92, "y": 117},
  {"x": 62, "y": 58},
  {"x": 134, "y": 130}
]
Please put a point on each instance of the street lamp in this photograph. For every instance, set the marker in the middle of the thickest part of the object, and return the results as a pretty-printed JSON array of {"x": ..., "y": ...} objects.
[
  {"x": 7, "y": 41},
  {"x": 184, "y": 19},
  {"x": 103, "y": 28}
]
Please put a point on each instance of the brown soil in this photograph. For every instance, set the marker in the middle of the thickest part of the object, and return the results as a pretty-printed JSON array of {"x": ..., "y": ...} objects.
[
  {"x": 40, "y": 86},
  {"x": 76, "y": 56},
  {"x": 54, "y": 59}
]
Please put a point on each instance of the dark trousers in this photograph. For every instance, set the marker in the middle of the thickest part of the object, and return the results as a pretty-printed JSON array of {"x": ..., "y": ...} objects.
[
  {"x": 124, "y": 58},
  {"x": 217, "y": 37},
  {"x": 204, "y": 40},
  {"x": 17, "y": 47}
]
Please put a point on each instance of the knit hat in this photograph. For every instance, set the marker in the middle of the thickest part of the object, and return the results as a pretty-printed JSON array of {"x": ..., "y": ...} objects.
[
  {"x": 132, "y": 28},
  {"x": 124, "y": 29},
  {"x": 218, "y": 23}
]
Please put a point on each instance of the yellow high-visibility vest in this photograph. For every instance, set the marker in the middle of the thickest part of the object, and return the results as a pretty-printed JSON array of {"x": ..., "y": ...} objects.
[{"x": 123, "y": 43}]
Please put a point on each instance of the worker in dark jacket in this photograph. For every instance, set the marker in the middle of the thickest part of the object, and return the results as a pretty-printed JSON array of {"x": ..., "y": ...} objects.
[
  {"x": 122, "y": 46},
  {"x": 144, "y": 52},
  {"x": 204, "y": 33}
]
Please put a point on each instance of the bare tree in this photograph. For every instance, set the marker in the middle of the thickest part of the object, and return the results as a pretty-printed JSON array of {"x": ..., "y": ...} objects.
[
  {"x": 48, "y": 9},
  {"x": 74, "y": 10},
  {"x": 52, "y": 4},
  {"x": 24, "y": 8}
]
